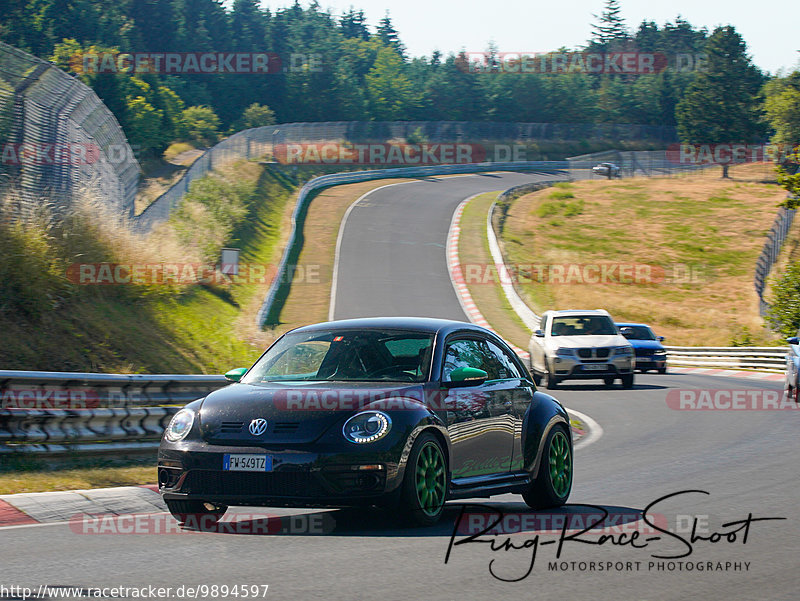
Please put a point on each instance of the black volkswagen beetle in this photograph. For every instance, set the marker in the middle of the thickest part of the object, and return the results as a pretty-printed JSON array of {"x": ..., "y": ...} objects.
[{"x": 403, "y": 413}]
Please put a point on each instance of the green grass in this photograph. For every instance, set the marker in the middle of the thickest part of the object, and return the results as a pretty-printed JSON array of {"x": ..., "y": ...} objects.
[{"x": 52, "y": 324}]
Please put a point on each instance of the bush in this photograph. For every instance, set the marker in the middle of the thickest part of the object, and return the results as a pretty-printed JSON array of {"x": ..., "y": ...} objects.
[
  {"x": 784, "y": 314},
  {"x": 201, "y": 124}
]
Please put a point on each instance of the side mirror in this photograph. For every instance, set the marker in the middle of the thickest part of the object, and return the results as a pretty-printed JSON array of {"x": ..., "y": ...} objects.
[
  {"x": 466, "y": 376},
  {"x": 660, "y": 338},
  {"x": 793, "y": 340},
  {"x": 235, "y": 375},
  {"x": 539, "y": 334}
]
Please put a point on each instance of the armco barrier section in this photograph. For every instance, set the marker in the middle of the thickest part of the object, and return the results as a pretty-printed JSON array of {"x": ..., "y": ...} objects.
[
  {"x": 68, "y": 412},
  {"x": 744, "y": 357}
]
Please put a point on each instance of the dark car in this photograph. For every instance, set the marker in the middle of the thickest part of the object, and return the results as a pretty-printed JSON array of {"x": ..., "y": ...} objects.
[
  {"x": 402, "y": 413},
  {"x": 650, "y": 353}
]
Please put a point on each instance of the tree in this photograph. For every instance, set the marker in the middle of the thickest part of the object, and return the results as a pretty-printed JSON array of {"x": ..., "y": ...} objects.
[
  {"x": 388, "y": 35},
  {"x": 610, "y": 28},
  {"x": 721, "y": 104},
  {"x": 391, "y": 95},
  {"x": 784, "y": 312},
  {"x": 354, "y": 24},
  {"x": 257, "y": 115},
  {"x": 201, "y": 124},
  {"x": 782, "y": 106}
]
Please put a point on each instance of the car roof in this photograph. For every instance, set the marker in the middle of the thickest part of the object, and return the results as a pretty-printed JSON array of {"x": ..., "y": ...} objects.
[
  {"x": 629, "y": 324},
  {"x": 578, "y": 312},
  {"x": 421, "y": 324}
]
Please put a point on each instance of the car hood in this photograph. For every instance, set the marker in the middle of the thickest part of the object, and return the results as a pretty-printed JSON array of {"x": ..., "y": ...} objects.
[
  {"x": 295, "y": 413},
  {"x": 587, "y": 341},
  {"x": 647, "y": 344}
]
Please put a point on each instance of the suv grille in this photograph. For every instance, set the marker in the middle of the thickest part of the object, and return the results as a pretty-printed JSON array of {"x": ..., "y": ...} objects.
[{"x": 594, "y": 353}]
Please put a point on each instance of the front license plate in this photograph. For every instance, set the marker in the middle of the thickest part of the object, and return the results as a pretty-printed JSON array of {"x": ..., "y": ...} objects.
[
  {"x": 246, "y": 463},
  {"x": 595, "y": 367}
]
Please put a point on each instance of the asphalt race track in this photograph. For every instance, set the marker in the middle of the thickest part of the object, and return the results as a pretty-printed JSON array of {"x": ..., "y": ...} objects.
[
  {"x": 746, "y": 460},
  {"x": 392, "y": 254}
]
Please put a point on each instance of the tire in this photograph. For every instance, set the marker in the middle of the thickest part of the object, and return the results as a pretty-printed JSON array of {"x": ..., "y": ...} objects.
[
  {"x": 662, "y": 370},
  {"x": 425, "y": 485},
  {"x": 196, "y": 513},
  {"x": 627, "y": 381},
  {"x": 552, "y": 381},
  {"x": 608, "y": 381},
  {"x": 537, "y": 378},
  {"x": 553, "y": 484}
]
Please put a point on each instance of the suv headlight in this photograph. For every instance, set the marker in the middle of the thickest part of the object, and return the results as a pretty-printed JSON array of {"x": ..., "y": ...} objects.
[
  {"x": 180, "y": 425},
  {"x": 624, "y": 351},
  {"x": 367, "y": 426},
  {"x": 564, "y": 352},
  {"x": 660, "y": 352}
]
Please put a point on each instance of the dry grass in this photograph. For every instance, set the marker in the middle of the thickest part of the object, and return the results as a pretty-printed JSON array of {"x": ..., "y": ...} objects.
[
  {"x": 76, "y": 478},
  {"x": 715, "y": 226},
  {"x": 308, "y": 302},
  {"x": 473, "y": 252}
]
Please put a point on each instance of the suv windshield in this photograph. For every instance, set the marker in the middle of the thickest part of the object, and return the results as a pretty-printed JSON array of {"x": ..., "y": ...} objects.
[
  {"x": 637, "y": 333},
  {"x": 583, "y": 326},
  {"x": 345, "y": 355}
]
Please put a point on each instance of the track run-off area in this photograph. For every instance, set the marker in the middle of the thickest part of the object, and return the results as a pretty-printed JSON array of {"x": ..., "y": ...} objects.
[{"x": 705, "y": 480}]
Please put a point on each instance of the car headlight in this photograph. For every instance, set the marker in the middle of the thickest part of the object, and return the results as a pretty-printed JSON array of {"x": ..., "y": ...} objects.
[
  {"x": 623, "y": 351},
  {"x": 367, "y": 426},
  {"x": 660, "y": 353},
  {"x": 564, "y": 352},
  {"x": 180, "y": 425}
]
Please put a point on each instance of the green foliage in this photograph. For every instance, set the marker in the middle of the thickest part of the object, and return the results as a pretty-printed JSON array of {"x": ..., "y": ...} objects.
[
  {"x": 743, "y": 338},
  {"x": 721, "y": 104},
  {"x": 200, "y": 124},
  {"x": 560, "y": 205},
  {"x": 391, "y": 95},
  {"x": 784, "y": 312},
  {"x": 257, "y": 115}
]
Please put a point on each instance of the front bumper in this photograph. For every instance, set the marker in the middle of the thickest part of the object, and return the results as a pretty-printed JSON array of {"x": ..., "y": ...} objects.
[
  {"x": 318, "y": 478},
  {"x": 651, "y": 362},
  {"x": 566, "y": 367}
]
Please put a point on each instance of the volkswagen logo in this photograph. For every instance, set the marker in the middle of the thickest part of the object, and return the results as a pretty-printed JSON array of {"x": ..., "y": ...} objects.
[{"x": 258, "y": 426}]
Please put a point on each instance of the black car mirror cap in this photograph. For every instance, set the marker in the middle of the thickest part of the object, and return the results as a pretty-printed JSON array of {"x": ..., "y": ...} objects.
[
  {"x": 660, "y": 338},
  {"x": 235, "y": 375},
  {"x": 539, "y": 334},
  {"x": 793, "y": 340},
  {"x": 466, "y": 376}
]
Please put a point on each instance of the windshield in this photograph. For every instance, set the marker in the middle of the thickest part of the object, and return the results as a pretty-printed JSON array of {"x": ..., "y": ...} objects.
[
  {"x": 583, "y": 326},
  {"x": 345, "y": 355},
  {"x": 637, "y": 333}
]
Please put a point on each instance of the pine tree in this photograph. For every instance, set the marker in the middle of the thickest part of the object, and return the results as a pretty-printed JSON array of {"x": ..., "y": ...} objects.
[
  {"x": 721, "y": 105},
  {"x": 389, "y": 36},
  {"x": 610, "y": 28},
  {"x": 354, "y": 24}
]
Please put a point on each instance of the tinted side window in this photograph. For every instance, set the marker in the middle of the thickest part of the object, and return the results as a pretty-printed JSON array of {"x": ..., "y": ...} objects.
[
  {"x": 506, "y": 367},
  {"x": 462, "y": 353}
]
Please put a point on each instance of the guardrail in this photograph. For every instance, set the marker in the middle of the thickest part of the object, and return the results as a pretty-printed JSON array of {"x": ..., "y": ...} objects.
[
  {"x": 280, "y": 283},
  {"x": 66, "y": 412},
  {"x": 744, "y": 357}
]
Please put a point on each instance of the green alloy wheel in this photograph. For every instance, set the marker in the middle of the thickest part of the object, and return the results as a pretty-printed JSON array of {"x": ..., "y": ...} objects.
[
  {"x": 553, "y": 484},
  {"x": 425, "y": 483}
]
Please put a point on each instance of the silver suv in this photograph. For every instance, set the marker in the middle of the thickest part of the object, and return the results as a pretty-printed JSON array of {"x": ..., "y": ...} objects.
[{"x": 580, "y": 345}]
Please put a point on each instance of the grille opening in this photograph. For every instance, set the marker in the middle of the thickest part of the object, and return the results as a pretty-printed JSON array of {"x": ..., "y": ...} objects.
[{"x": 231, "y": 427}]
